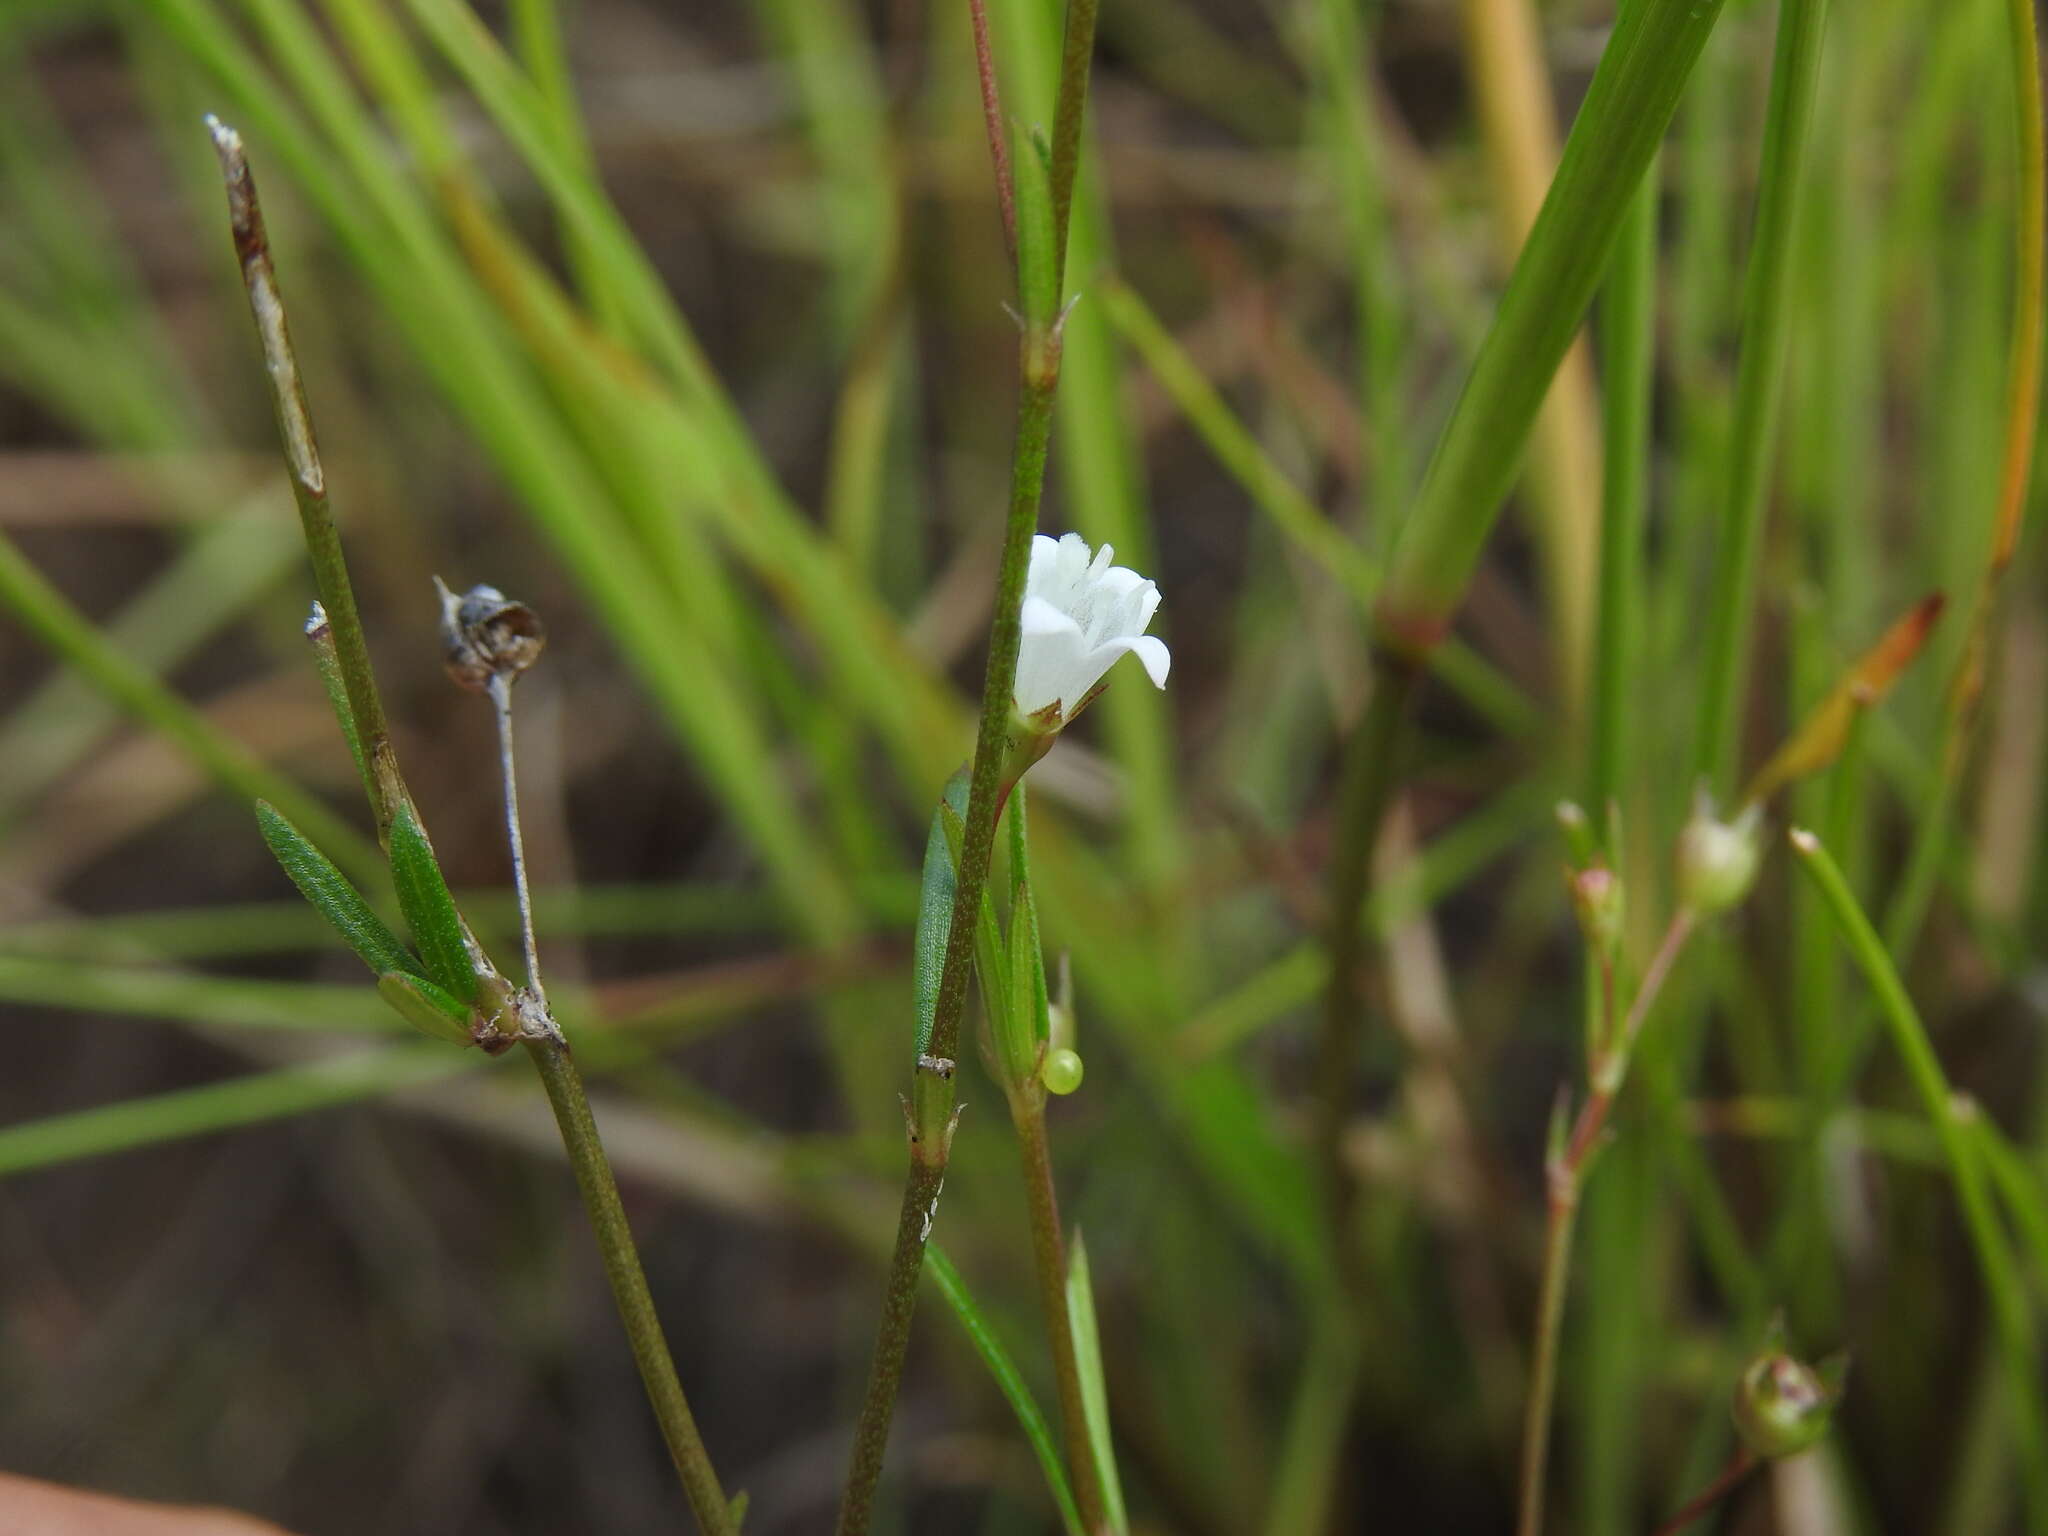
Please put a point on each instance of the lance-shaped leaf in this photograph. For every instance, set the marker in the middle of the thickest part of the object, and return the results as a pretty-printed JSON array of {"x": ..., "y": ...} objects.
[
  {"x": 423, "y": 897},
  {"x": 1821, "y": 735},
  {"x": 1037, "y": 265},
  {"x": 935, "y": 910},
  {"x": 1094, "y": 1386},
  {"x": 426, "y": 1007},
  {"x": 1026, "y": 1013},
  {"x": 331, "y": 895},
  {"x": 991, "y": 955}
]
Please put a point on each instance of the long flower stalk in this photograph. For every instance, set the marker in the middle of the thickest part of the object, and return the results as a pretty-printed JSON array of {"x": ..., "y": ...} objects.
[
  {"x": 934, "y": 1096},
  {"x": 1049, "y": 1264},
  {"x": 1565, "y": 1181}
]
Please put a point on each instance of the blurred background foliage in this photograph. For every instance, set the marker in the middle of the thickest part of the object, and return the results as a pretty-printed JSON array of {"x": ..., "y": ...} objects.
[{"x": 685, "y": 325}]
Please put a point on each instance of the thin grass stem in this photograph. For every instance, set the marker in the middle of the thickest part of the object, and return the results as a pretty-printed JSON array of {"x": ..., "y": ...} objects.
[
  {"x": 2003, "y": 1282},
  {"x": 932, "y": 1113}
]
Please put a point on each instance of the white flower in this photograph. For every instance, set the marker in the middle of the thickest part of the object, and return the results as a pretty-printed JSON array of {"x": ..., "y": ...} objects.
[{"x": 1080, "y": 615}]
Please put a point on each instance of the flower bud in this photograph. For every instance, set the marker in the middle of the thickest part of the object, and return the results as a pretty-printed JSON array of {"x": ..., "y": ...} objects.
[
  {"x": 1061, "y": 1070},
  {"x": 487, "y": 635},
  {"x": 1599, "y": 900},
  {"x": 1782, "y": 1405},
  {"x": 1717, "y": 860}
]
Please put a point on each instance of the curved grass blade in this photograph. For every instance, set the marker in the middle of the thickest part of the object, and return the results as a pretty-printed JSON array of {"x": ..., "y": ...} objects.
[
  {"x": 1094, "y": 1388},
  {"x": 1009, "y": 1381},
  {"x": 1634, "y": 92}
]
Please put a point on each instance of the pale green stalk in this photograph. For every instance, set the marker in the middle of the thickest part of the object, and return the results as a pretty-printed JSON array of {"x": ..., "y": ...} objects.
[
  {"x": 1766, "y": 336},
  {"x": 2012, "y": 1312}
]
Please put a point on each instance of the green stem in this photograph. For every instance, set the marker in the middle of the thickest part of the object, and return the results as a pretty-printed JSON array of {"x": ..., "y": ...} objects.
[
  {"x": 1372, "y": 766},
  {"x": 1629, "y": 312},
  {"x": 1076, "y": 54},
  {"x": 1557, "y": 1260},
  {"x": 2003, "y": 1281},
  {"x": 600, "y": 1193},
  {"x": 1565, "y": 1176},
  {"x": 309, "y": 481},
  {"x": 933, "y": 1096},
  {"x": 932, "y": 1112},
  {"x": 1766, "y": 333},
  {"x": 1048, "y": 1253}
]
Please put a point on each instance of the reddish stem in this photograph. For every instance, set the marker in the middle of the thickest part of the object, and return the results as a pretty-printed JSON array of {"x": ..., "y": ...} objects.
[{"x": 992, "y": 120}]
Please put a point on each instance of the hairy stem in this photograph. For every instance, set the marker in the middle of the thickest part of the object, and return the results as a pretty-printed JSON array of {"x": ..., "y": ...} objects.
[
  {"x": 309, "y": 481},
  {"x": 1049, "y": 1257},
  {"x": 1566, "y": 1180},
  {"x": 600, "y": 1194},
  {"x": 1371, "y": 776}
]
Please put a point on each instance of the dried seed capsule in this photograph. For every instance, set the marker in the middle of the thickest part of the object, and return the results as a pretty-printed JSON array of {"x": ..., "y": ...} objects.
[{"x": 487, "y": 635}]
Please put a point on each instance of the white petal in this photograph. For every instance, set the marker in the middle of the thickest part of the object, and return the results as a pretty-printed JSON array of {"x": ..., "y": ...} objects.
[
  {"x": 1042, "y": 618},
  {"x": 1053, "y": 655},
  {"x": 1151, "y": 650}
]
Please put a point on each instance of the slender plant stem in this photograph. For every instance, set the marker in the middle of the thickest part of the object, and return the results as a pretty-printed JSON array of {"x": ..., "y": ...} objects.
[
  {"x": 387, "y": 792},
  {"x": 1629, "y": 332},
  {"x": 1077, "y": 52},
  {"x": 992, "y": 122},
  {"x": 1565, "y": 1179},
  {"x": 1049, "y": 1257},
  {"x": 500, "y": 688},
  {"x": 1739, "y": 1467},
  {"x": 2004, "y": 1283},
  {"x": 932, "y": 1111},
  {"x": 1766, "y": 335},
  {"x": 629, "y": 1286},
  {"x": 1372, "y": 769},
  {"x": 1557, "y": 1258},
  {"x": 309, "y": 481}
]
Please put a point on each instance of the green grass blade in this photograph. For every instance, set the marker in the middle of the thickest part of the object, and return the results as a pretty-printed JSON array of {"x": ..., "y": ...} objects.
[
  {"x": 1094, "y": 1387},
  {"x": 51, "y": 617},
  {"x": 1766, "y": 336},
  {"x": 1633, "y": 94},
  {"x": 2012, "y": 1313},
  {"x": 255, "y": 1099},
  {"x": 1009, "y": 1381}
]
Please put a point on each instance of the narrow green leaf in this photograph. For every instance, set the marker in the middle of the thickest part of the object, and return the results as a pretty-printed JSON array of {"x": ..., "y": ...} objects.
[
  {"x": 423, "y": 895},
  {"x": 991, "y": 955},
  {"x": 935, "y": 911},
  {"x": 330, "y": 893},
  {"x": 425, "y": 1007},
  {"x": 1635, "y": 89},
  {"x": 1009, "y": 1381},
  {"x": 2012, "y": 1314},
  {"x": 1037, "y": 266},
  {"x": 248, "y": 1100},
  {"x": 1094, "y": 1388}
]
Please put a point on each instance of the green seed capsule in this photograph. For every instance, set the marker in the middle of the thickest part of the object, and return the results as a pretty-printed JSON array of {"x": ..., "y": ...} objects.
[
  {"x": 1782, "y": 1406},
  {"x": 1061, "y": 1070}
]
